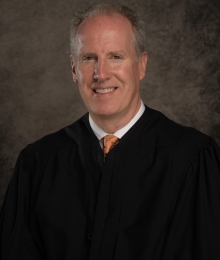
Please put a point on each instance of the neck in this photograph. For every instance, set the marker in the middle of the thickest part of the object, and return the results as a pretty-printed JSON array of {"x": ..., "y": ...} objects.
[{"x": 112, "y": 123}]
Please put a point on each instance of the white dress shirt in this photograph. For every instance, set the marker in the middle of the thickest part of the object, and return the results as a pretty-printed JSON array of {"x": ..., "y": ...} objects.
[{"x": 100, "y": 133}]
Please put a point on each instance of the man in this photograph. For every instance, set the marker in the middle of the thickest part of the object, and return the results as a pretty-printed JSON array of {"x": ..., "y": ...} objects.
[{"x": 154, "y": 191}]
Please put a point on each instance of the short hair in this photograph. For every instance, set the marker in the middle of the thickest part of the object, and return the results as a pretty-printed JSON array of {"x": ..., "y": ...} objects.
[{"x": 110, "y": 9}]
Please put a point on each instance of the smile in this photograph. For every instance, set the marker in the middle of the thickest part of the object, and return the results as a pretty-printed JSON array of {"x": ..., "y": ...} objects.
[{"x": 104, "y": 90}]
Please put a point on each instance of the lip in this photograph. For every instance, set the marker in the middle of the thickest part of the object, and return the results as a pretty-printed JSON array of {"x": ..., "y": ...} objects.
[{"x": 103, "y": 92}]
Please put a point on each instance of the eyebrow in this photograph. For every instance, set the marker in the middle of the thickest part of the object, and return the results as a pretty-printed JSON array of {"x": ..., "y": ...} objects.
[
  {"x": 118, "y": 52},
  {"x": 109, "y": 53},
  {"x": 87, "y": 54}
]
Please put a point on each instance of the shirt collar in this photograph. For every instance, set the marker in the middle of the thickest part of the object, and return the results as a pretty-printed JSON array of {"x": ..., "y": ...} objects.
[{"x": 100, "y": 133}]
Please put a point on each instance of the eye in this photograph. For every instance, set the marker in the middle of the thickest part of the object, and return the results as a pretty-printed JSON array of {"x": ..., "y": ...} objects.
[
  {"x": 88, "y": 58},
  {"x": 116, "y": 57}
]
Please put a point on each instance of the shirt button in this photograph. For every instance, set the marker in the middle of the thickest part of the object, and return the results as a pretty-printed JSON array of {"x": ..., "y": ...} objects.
[{"x": 90, "y": 236}]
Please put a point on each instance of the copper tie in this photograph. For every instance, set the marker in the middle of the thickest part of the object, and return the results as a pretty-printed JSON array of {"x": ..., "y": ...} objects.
[{"x": 109, "y": 141}]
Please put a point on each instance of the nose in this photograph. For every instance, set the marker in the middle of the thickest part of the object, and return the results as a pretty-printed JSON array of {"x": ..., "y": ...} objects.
[{"x": 102, "y": 69}]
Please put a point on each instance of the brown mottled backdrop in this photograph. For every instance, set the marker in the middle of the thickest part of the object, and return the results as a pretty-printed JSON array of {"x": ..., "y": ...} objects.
[{"x": 37, "y": 95}]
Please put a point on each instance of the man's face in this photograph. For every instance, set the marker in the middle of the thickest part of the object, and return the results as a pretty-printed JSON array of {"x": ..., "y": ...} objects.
[{"x": 105, "y": 48}]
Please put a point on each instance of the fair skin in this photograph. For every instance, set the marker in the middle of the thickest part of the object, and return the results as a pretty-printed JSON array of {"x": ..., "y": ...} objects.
[{"x": 105, "y": 48}]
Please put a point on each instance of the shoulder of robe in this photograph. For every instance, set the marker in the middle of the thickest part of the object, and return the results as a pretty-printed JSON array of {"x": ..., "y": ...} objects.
[
  {"x": 80, "y": 131},
  {"x": 63, "y": 137},
  {"x": 167, "y": 132},
  {"x": 37, "y": 150}
]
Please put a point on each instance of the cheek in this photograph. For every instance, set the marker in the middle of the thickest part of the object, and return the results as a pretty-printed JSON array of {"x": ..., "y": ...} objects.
[
  {"x": 85, "y": 75},
  {"x": 84, "y": 96},
  {"x": 79, "y": 75},
  {"x": 123, "y": 73}
]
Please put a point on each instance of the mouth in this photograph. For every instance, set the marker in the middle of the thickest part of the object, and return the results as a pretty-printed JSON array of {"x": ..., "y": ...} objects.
[{"x": 104, "y": 90}]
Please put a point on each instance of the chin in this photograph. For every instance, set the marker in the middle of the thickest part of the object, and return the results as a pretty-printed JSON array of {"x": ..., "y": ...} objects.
[
  {"x": 104, "y": 110},
  {"x": 104, "y": 113}
]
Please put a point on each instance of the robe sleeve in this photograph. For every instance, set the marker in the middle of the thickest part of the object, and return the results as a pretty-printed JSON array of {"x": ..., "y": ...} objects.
[
  {"x": 16, "y": 239},
  {"x": 207, "y": 202},
  {"x": 195, "y": 226}
]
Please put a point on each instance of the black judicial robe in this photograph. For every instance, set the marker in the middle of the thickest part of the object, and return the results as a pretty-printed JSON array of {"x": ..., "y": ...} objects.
[{"x": 156, "y": 197}]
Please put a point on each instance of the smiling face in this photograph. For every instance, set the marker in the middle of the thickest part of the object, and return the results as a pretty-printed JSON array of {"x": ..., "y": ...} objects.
[{"x": 106, "y": 67}]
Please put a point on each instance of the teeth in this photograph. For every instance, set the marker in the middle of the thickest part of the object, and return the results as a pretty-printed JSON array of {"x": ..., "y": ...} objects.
[{"x": 104, "y": 90}]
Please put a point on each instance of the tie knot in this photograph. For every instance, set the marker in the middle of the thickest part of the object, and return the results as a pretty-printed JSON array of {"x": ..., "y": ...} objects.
[{"x": 109, "y": 141}]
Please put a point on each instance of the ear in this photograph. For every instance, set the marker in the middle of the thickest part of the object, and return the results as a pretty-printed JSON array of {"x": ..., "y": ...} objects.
[
  {"x": 143, "y": 64},
  {"x": 73, "y": 68}
]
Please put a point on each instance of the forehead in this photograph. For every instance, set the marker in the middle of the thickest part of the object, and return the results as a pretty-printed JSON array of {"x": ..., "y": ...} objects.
[
  {"x": 113, "y": 29},
  {"x": 103, "y": 20}
]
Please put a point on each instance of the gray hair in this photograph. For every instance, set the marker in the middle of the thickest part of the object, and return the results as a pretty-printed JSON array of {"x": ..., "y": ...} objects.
[{"x": 110, "y": 9}]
